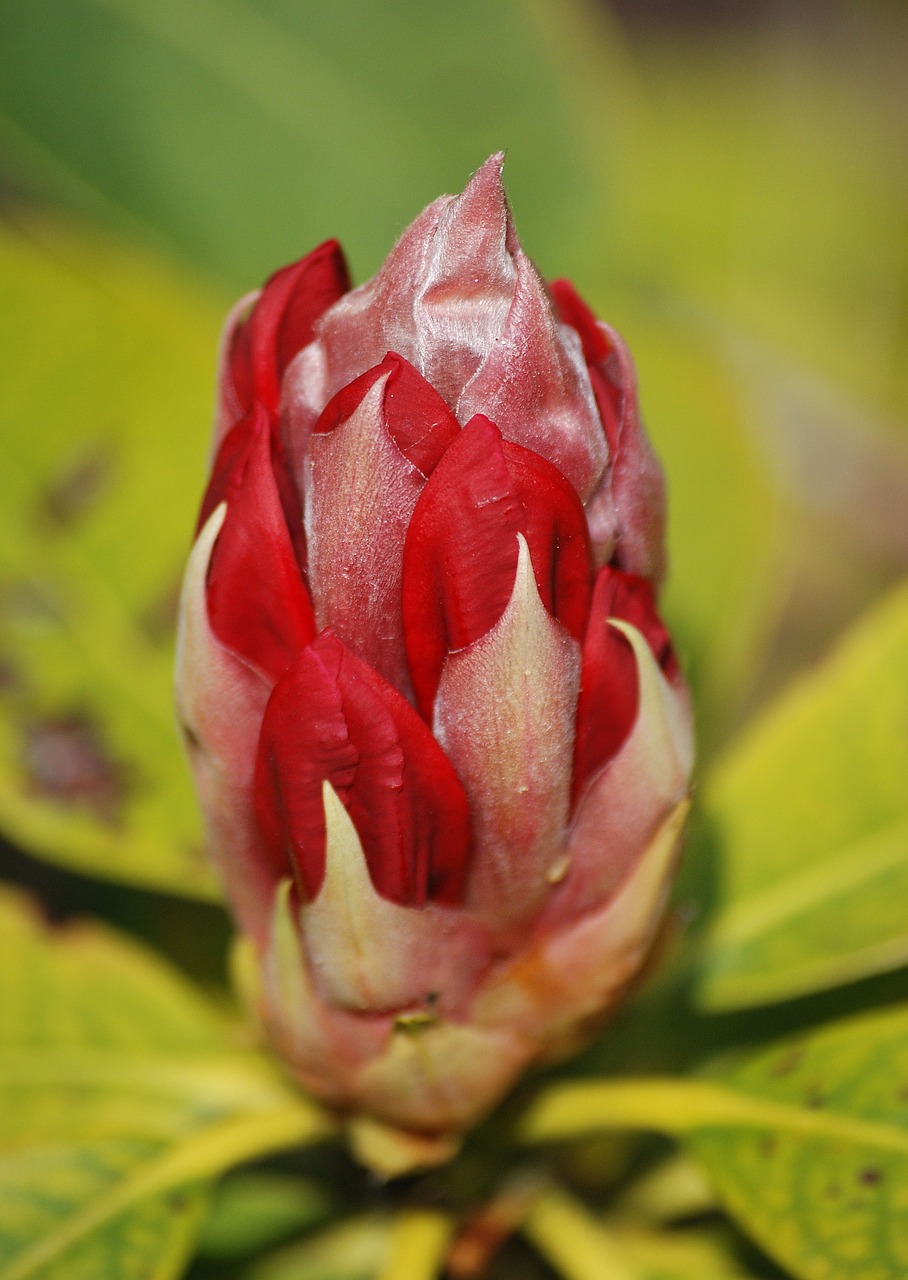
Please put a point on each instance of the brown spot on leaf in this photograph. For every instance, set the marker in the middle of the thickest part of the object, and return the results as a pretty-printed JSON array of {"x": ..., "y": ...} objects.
[
  {"x": 788, "y": 1062},
  {"x": 66, "y": 761},
  {"x": 814, "y": 1096},
  {"x": 31, "y": 602},
  {"x": 10, "y": 679},
  {"x": 768, "y": 1145},
  {"x": 870, "y": 1177},
  {"x": 159, "y": 619},
  {"x": 77, "y": 487}
]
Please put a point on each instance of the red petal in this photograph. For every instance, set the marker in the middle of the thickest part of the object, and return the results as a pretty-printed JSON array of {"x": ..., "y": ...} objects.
[
  {"x": 609, "y": 685},
  {"x": 418, "y": 420},
  {"x": 634, "y": 599},
  {"x": 333, "y": 718},
  {"x": 415, "y": 416},
  {"x": 282, "y": 322},
  {"x": 258, "y": 605},
  {"x": 554, "y": 526},
  {"x": 574, "y": 311},
  {"x": 460, "y": 557}
]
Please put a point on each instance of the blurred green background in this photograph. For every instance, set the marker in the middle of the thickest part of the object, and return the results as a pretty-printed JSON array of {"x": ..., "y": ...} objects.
[{"x": 727, "y": 183}]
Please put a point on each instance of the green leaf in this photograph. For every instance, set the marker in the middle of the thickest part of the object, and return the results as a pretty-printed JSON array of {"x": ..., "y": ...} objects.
[
  {"x": 810, "y": 814},
  {"x": 769, "y": 181},
  {"x": 689, "y": 1253},
  {"x": 336, "y": 125},
  {"x": 252, "y": 1210},
  {"x": 357, "y": 1249},
  {"x": 575, "y": 1243},
  {"x": 121, "y": 1098},
  {"x": 580, "y": 1245},
  {"x": 806, "y": 1141},
  {"x": 108, "y": 366}
]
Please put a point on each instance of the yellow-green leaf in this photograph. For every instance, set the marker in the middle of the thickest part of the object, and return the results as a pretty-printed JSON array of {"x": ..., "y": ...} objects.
[
  {"x": 121, "y": 1098},
  {"x": 252, "y": 1210},
  {"x": 107, "y": 370},
  {"x": 806, "y": 1141},
  {"x": 357, "y": 1249},
  {"x": 810, "y": 815}
]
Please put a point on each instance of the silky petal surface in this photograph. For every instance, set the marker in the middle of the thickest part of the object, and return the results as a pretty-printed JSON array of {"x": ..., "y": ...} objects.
[
  {"x": 626, "y": 513},
  {"x": 366, "y": 469},
  {"x": 505, "y": 716},
  {"x": 443, "y": 1075},
  {"x": 534, "y": 385},
  {"x": 557, "y": 990},
  {"x": 280, "y": 323}
]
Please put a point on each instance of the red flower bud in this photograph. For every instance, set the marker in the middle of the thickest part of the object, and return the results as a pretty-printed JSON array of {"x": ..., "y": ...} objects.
[{"x": 438, "y": 729}]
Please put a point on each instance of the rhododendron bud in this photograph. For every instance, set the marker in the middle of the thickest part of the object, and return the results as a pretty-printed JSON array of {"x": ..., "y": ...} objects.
[{"x": 439, "y": 733}]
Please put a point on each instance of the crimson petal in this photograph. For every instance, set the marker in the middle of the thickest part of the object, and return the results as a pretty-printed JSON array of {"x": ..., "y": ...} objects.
[
  {"x": 415, "y": 416},
  {"x": 331, "y": 717},
  {"x": 282, "y": 322},
  {"x": 258, "y": 605},
  {"x": 460, "y": 557},
  {"x": 597, "y": 349},
  {"x": 609, "y": 684}
]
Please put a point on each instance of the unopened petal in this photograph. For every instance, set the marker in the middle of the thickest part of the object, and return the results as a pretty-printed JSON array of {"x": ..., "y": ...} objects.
[
  {"x": 371, "y": 954},
  {"x": 360, "y": 492},
  {"x": 533, "y": 384},
  {"x": 505, "y": 716},
  {"x": 567, "y": 979},
  {"x": 632, "y": 795}
]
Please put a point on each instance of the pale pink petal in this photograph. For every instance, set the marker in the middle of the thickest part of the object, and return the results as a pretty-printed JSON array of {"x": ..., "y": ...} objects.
[
  {"x": 558, "y": 989},
  {"x": 326, "y": 1047},
  {"x": 358, "y": 332},
  {"x": 220, "y": 703},
  {"x": 360, "y": 493},
  {"x": 442, "y": 1075},
  {"x": 626, "y": 513},
  {"x": 504, "y": 714},
  {"x": 368, "y": 953},
  {"x": 628, "y": 801},
  {"x": 533, "y": 384},
  {"x": 464, "y": 292}
]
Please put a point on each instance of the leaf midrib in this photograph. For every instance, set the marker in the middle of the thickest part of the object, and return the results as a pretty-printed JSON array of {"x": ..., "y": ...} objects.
[
  {"x": 677, "y": 1107},
  {"x": 202, "y": 1157},
  {"x": 859, "y": 863}
]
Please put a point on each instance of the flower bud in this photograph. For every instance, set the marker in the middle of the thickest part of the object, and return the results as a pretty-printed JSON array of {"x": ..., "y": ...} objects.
[{"x": 438, "y": 730}]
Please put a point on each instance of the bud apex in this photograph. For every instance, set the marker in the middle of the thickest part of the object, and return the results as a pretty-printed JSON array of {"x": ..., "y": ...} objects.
[{"x": 439, "y": 733}]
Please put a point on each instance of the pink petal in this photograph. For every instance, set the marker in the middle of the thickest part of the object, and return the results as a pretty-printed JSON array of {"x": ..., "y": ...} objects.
[
  {"x": 505, "y": 716},
  {"x": 368, "y": 458},
  {"x": 533, "y": 384},
  {"x": 221, "y": 701},
  {"x": 630, "y": 797},
  {"x": 370, "y": 953},
  {"x": 609, "y": 687}
]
